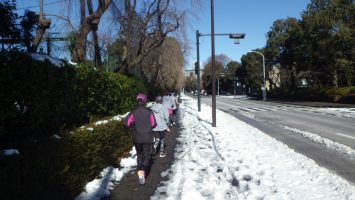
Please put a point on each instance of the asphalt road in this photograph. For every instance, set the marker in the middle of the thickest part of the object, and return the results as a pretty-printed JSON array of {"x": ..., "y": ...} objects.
[{"x": 273, "y": 117}]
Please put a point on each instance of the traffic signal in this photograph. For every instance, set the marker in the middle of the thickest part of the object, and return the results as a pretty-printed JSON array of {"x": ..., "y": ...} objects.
[{"x": 237, "y": 36}]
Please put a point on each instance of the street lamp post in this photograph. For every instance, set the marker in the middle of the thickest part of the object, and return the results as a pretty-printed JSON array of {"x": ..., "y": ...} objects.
[
  {"x": 235, "y": 84},
  {"x": 220, "y": 75},
  {"x": 218, "y": 85},
  {"x": 264, "y": 87}
]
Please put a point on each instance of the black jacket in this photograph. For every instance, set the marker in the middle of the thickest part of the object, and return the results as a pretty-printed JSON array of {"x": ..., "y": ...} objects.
[{"x": 142, "y": 120}]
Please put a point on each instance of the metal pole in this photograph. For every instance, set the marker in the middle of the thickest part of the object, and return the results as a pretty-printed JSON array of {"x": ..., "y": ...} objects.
[
  {"x": 234, "y": 82},
  {"x": 264, "y": 81},
  {"x": 198, "y": 70},
  {"x": 213, "y": 68},
  {"x": 264, "y": 91},
  {"x": 218, "y": 86}
]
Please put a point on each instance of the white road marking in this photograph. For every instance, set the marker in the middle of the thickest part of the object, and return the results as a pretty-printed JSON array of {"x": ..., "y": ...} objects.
[{"x": 348, "y": 136}]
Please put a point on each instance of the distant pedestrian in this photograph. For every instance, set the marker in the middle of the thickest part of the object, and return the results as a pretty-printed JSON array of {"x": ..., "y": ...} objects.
[
  {"x": 142, "y": 120},
  {"x": 162, "y": 117},
  {"x": 175, "y": 103},
  {"x": 168, "y": 103}
]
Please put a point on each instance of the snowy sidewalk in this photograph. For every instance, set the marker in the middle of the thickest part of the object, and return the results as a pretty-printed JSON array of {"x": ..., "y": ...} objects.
[
  {"x": 237, "y": 161},
  {"x": 230, "y": 161}
]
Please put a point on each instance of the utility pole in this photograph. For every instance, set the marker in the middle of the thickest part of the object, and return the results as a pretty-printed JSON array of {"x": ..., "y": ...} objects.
[
  {"x": 197, "y": 70},
  {"x": 213, "y": 68}
]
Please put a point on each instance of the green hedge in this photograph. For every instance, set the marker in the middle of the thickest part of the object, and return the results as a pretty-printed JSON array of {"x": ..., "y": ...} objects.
[
  {"x": 335, "y": 95},
  {"x": 60, "y": 168},
  {"x": 37, "y": 98},
  {"x": 34, "y": 95},
  {"x": 105, "y": 93}
]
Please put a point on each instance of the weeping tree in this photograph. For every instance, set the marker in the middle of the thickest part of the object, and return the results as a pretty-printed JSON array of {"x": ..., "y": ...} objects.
[
  {"x": 163, "y": 67},
  {"x": 144, "y": 25}
]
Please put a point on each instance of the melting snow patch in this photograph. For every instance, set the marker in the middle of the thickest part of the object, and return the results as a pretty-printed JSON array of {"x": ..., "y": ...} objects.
[
  {"x": 101, "y": 122},
  {"x": 11, "y": 152},
  {"x": 90, "y": 129},
  {"x": 55, "y": 136},
  {"x": 43, "y": 57},
  {"x": 120, "y": 117}
]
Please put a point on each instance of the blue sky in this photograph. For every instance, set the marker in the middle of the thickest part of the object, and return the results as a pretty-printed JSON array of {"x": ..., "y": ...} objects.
[{"x": 252, "y": 17}]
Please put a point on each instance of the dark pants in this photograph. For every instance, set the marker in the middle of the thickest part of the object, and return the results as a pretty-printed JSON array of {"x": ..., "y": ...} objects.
[
  {"x": 143, "y": 155},
  {"x": 159, "y": 141}
]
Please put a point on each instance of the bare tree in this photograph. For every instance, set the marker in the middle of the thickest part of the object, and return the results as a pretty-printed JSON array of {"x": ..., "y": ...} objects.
[
  {"x": 144, "y": 25},
  {"x": 97, "y": 55},
  {"x": 43, "y": 25},
  {"x": 88, "y": 23}
]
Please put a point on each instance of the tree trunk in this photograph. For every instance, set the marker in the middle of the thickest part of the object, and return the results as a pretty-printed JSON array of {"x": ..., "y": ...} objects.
[
  {"x": 79, "y": 52},
  {"x": 43, "y": 25},
  {"x": 86, "y": 26},
  {"x": 335, "y": 78},
  {"x": 95, "y": 38},
  {"x": 98, "y": 62}
]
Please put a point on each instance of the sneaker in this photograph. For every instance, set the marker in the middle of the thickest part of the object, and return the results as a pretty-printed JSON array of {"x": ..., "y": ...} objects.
[
  {"x": 141, "y": 177},
  {"x": 162, "y": 154}
]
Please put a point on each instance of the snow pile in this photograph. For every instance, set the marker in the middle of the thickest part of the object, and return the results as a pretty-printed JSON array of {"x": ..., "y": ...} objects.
[
  {"x": 101, "y": 122},
  {"x": 10, "y": 152},
  {"x": 342, "y": 112},
  {"x": 237, "y": 161},
  {"x": 328, "y": 143},
  {"x": 99, "y": 188},
  {"x": 120, "y": 117},
  {"x": 43, "y": 57},
  {"x": 55, "y": 136}
]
